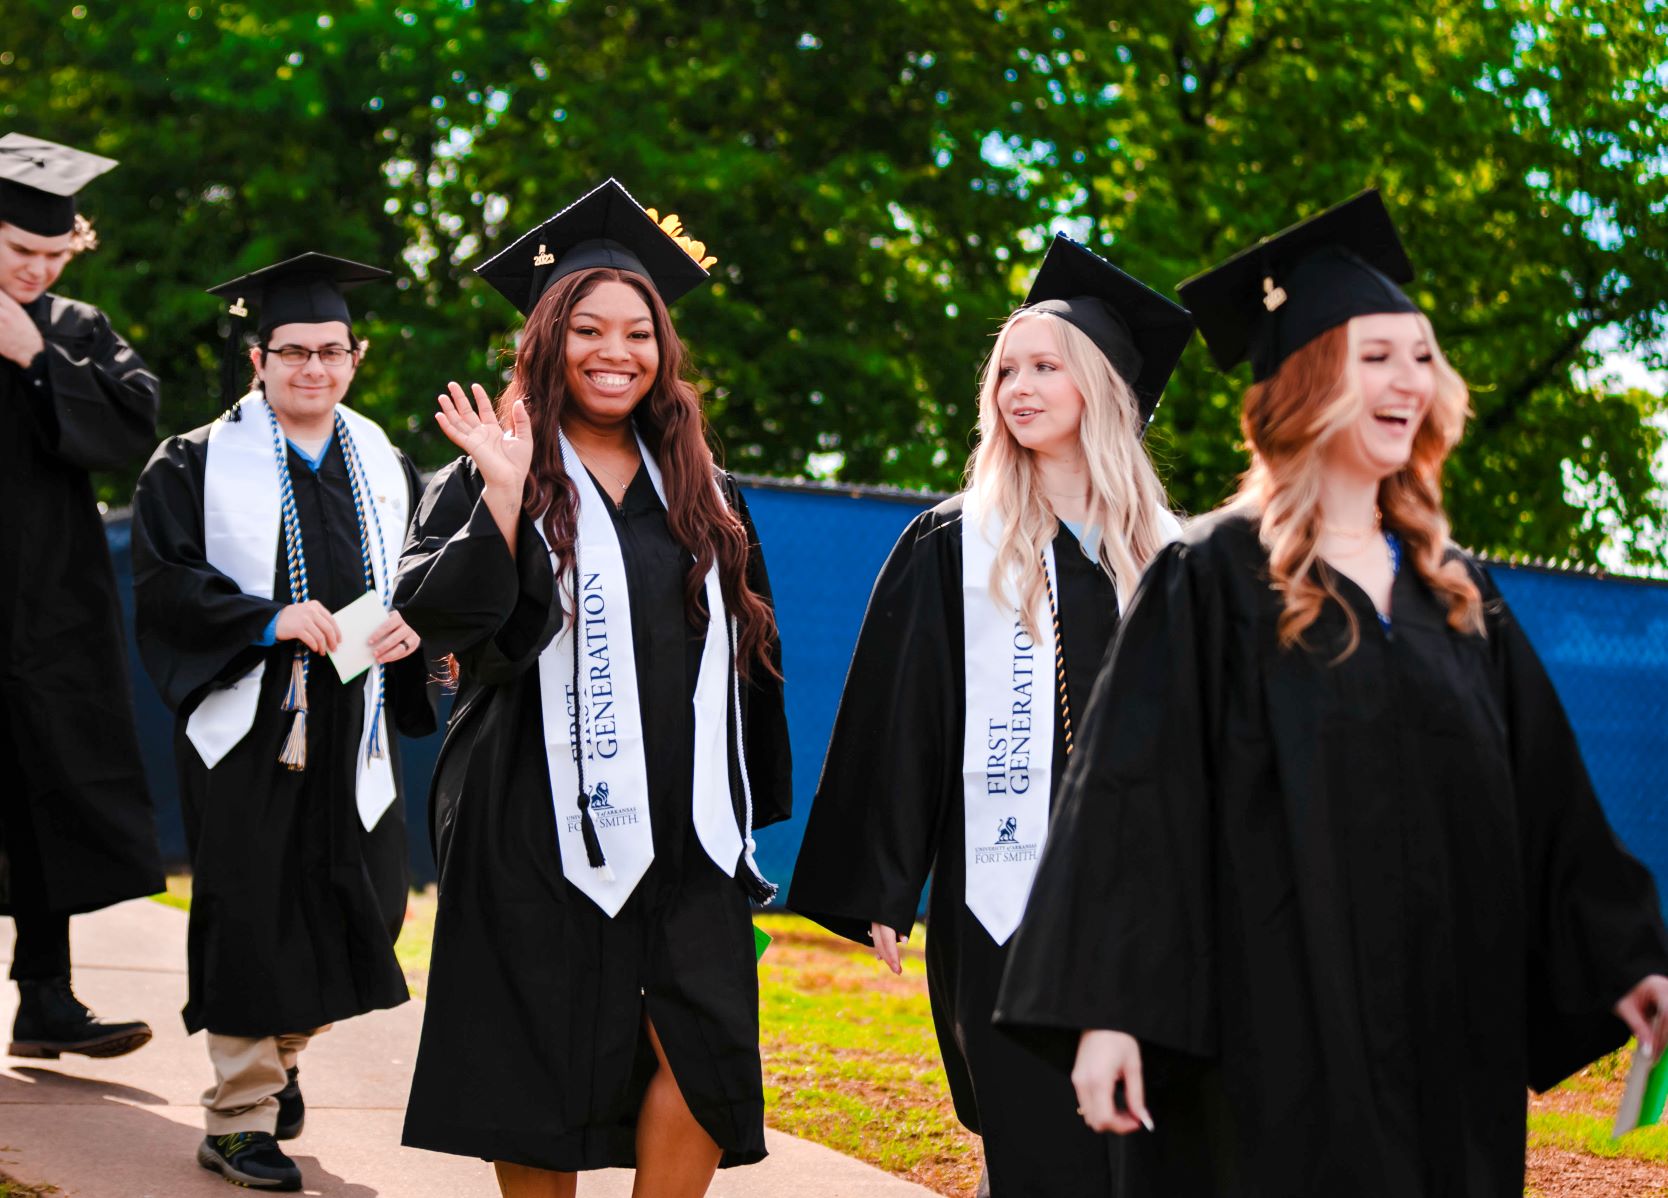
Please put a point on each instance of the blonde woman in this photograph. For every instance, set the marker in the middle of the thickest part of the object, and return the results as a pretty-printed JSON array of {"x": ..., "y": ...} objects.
[
  {"x": 1326, "y": 901},
  {"x": 983, "y": 633}
]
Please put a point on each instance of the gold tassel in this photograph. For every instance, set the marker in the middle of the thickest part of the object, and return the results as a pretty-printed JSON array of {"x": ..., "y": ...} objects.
[{"x": 294, "y": 754}]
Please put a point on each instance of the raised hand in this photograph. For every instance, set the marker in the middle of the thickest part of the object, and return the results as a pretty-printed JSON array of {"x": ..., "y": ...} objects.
[{"x": 503, "y": 453}]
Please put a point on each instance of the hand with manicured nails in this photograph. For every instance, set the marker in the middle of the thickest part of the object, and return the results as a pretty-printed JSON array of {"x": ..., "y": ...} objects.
[
  {"x": 886, "y": 941},
  {"x": 310, "y": 623},
  {"x": 502, "y": 453},
  {"x": 20, "y": 340},
  {"x": 1645, "y": 1011},
  {"x": 1104, "y": 1059}
]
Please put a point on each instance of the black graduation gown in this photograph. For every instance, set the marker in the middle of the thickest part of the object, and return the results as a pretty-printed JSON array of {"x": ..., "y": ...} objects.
[
  {"x": 76, "y": 827},
  {"x": 533, "y": 1048},
  {"x": 1350, "y": 910},
  {"x": 294, "y": 906},
  {"x": 889, "y": 808}
]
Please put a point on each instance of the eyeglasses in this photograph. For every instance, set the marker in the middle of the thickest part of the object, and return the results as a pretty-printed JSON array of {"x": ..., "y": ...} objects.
[{"x": 295, "y": 355}]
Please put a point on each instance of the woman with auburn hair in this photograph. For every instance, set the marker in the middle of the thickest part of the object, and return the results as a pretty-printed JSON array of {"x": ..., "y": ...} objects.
[
  {"x": 618, "y": 734},
  {"x": 984, "y": 629},
  {"x": 1324, "y": 903}
]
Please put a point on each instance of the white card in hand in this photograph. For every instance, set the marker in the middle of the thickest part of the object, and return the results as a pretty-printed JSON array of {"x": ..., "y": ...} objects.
[{"x": 357, "y": 621}]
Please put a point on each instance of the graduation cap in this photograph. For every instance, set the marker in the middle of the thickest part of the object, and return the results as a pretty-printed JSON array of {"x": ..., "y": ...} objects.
[
  {"x": 1271, "y": 300},
  {"x": 38, "y": 182},
  {"x": 604, "y": 227},
  {"x": 1141, "y": 332},
  {"x": 302, "y": 290}
]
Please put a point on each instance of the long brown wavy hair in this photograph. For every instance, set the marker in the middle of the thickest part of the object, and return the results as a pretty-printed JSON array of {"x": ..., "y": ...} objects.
[
  {"x": 670, "y": 421},
  {"x": 1288, "y": 420}
]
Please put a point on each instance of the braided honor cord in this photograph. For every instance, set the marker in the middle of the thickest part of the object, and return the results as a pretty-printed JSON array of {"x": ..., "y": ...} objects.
[
  {"x": 294, "y": 753},
  {"x": 1059, "y": 659},
  {"x": 359, "y": 483}
]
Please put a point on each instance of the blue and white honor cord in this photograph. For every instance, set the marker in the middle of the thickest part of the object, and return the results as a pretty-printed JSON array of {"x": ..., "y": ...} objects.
[{"x": 293, "y": 755}]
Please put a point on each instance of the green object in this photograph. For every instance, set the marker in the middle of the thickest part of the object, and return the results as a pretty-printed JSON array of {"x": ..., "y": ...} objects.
[
  {"x": 761, "y": 941},
  {"x": 1656, "y": 1093}
]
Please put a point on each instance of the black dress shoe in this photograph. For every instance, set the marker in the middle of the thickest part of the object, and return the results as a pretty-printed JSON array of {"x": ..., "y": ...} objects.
[
  {"x": 52, "y": 1021},
  {"x": 249, "y": 1158},
  {"x": 292, "y": 1111}
]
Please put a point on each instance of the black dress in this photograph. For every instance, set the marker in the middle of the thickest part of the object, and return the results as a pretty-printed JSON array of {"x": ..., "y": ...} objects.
[
  {"x": 1351, "y": 911},
  {"x": 76, "y": 827},
  {"x": 889, "y": 809},
  {"x": 294, "y": 906},
  {"x": 533, "y": 1047}
]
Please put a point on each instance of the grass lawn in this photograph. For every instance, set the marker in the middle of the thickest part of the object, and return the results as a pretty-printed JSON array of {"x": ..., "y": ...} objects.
[{"x": 850, "y": 1061}]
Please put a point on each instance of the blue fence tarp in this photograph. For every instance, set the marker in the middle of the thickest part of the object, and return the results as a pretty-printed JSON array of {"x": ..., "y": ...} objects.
[{"x": 1604, "y": 641}]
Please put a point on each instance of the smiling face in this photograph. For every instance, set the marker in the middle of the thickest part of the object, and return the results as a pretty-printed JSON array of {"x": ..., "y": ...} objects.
[
  {"x": 1040, "y": 404},
  {"x": 305, "y": 393},
  {"x": 30, "y": 263},
  {"x": 612, "y": 355},
  {"x": 1395, "y": 373}
]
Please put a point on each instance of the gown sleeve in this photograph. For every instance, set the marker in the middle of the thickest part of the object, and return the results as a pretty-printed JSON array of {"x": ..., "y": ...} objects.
[
  {"x": 463, "y": 592},
  {"x": 102, "y": 399},
  {"x": 195, "y": 628},
  {"x": 895, "y": 752},
  {"x": 1117, "y": 932},
  {"x": 764, "y": 713},
  {"x": 413, "y": 682},
  {"x": 1594, "y": 919}
]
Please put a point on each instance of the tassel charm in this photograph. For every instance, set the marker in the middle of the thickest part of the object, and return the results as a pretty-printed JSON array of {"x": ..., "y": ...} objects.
[
  {"x": 294, "y": 754},
  {"x": 295, "y": 698}
]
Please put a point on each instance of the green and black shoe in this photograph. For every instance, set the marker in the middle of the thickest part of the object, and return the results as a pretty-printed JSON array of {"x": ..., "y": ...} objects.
[
  {"x": 251, "y": 1159},
  {"x": 292, "y": 1111}
]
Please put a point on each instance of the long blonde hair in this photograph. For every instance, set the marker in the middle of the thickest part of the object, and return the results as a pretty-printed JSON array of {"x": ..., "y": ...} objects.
[
  {"x": 1125, "y": 496},
  {"x": 1288, "y": 421}
]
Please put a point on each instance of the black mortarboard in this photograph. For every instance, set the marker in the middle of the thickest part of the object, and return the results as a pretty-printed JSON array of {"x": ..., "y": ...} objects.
[
  {"x": 1141, "y": 332},
  {"x": 38, "y": 182},
  {"x": 302, "y": 290},
  {"x": 1274, "y": 298},
  {"x": 604, "y": 227}
]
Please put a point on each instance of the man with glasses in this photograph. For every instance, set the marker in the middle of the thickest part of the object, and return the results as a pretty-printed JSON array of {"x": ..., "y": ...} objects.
[
  {"x": 263, "y": 551},
  {"x": 76, "y": 829}
]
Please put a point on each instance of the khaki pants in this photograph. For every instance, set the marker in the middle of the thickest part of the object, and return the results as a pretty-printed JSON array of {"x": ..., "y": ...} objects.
[{"x": 248, "y": 1073}]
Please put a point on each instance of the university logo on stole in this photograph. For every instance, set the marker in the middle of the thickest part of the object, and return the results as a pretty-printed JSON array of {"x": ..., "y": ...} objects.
[
  {"x": 1007, "y": 847},
  {"x": 603, "y": 813}
]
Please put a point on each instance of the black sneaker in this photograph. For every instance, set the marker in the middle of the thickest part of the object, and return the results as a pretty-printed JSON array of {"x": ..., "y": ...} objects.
[
  {"x": 52, "y": 1021},
  {"x": 292, "y": 1111},
  {"x": 249, "y": 1158}
]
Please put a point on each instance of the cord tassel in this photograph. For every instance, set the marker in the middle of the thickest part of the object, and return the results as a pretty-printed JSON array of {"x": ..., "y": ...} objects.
[
  {"x": 758, "y": 888},
  {"x": 593, "y": 843},
  {"x": 294, "y": 754},
  {"x": 295, "y": 697}
]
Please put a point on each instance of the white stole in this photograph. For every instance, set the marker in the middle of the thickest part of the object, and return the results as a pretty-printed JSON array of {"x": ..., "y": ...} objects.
[
  {"x": 242, "y": 526},
  {"x": 611, "y": 732},
  {"x": 1008, "y": 743}
]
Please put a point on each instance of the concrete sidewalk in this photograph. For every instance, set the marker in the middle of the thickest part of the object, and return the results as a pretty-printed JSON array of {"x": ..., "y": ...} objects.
[{"x": 128, "y": 1127}]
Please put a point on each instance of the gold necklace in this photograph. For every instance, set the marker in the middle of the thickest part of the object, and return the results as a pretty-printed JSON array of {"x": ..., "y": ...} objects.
[
  {"x": 622, "y": 484},
  {"x": 1357, "y": 534}
]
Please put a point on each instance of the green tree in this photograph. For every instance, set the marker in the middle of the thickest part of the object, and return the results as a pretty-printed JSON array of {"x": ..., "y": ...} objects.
[{"x": 877, "y": 177}]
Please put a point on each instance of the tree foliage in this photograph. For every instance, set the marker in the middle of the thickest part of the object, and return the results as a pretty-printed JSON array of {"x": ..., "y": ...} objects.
[{"x": 877, "y": 177}]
